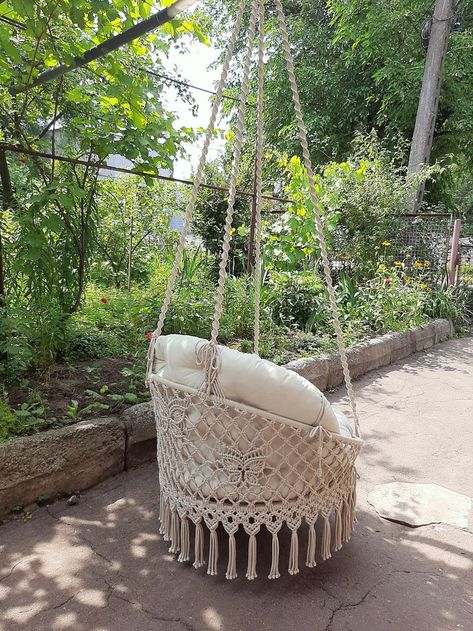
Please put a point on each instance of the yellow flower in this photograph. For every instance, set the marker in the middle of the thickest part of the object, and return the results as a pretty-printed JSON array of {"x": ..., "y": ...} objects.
[
  {"x": 418, "y": 264},
  {"x": 381, "y": 267},
  {"x": 397, "y": 263},
  {"x": 423, "y": 286},
  {"x": 426, "y": 263},
  {"x": 386, "y": 243}
]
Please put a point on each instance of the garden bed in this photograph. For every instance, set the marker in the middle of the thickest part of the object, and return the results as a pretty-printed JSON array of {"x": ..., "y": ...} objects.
[{"x": 61, "y": 461}]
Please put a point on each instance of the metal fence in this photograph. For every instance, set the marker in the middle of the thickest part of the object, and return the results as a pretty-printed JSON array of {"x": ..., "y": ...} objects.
[
  {"x": 465, "y": 262},
  {"x": 424, "y": 239}
]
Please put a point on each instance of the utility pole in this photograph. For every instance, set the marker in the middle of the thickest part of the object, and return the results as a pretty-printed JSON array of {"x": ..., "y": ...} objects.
[{"x": 429, "y": 96}]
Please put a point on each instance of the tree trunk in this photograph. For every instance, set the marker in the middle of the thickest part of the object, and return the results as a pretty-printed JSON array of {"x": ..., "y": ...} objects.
[
  {"x": 8, "y": 201},
  {"x": 130, "y": 254},
  {"x": 430, "y": 92}
]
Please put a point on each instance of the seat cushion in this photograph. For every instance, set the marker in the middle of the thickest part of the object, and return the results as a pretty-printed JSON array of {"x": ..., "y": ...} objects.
[{"x": 248, "y": 379}]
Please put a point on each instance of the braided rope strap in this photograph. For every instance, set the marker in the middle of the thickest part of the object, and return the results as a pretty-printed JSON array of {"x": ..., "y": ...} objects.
[
  {"x": 258, "y": 175},
  {"x": 197, "y": 180},
  {"x": 239, "y": 132},
  {"x": 315, "y": 203}
]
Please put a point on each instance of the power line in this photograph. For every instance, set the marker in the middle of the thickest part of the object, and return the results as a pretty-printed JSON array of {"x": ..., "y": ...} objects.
[
  {"x": 105, "y": 167},
  {"x": 190, "y": 85}
]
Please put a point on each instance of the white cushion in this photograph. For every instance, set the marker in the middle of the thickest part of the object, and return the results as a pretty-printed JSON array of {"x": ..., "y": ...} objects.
[{"x": 247, "y": 379}]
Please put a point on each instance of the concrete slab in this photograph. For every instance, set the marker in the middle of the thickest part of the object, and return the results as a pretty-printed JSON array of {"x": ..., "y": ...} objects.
[
  {"x": 420, "y": 504},
  {"x": 102, "y": 566}
]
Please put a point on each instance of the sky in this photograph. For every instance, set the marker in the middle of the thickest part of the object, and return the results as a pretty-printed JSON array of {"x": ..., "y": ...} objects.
[{"x": 193, "y": 67}]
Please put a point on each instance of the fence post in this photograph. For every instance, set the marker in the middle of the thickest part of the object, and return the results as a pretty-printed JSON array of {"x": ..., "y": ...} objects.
[{"x": 452, "y": 272}]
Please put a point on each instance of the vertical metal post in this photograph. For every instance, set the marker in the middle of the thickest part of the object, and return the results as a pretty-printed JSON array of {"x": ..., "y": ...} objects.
[{"x": 452, "y": 272}]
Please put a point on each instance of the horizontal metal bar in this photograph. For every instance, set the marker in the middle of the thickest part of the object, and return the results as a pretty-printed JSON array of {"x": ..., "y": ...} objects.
[{"x": 103, "y": 166}]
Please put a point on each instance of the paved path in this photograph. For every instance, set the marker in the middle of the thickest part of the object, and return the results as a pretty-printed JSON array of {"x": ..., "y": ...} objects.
[{"x": 101, "y": 566}]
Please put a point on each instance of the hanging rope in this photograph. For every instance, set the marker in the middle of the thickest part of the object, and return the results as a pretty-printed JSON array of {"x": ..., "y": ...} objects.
[
  {"x": 315, "y": 204},
  {"x": 258, "y": 175},
  {"x": 234, "y": 174},
  {"x": 197, "y": 181}
]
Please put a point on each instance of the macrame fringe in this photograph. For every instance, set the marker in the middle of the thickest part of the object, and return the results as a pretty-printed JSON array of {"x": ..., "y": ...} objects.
[
  {"x": 347, "y": 519},
  {"x": 199, "y": 546},
  {"x": 294, "y": 554},
  {"x": 251, "y": 570},
  {"x": 161, "y": 514},
  {"x": 274, "y": 571},
  {"x": 175, "y": 532},
  {"x": 213, "y": 553},
  {"x": 326, "y": 538},
  {"x": 166, "y": 522},
  {"x": 311, "y": 546},
  {"x": 185, "y": 540},
  {"x": 353, "y": 501},
  {"x": 231, "y": 572},
  {"x": 337, "y": 544}
]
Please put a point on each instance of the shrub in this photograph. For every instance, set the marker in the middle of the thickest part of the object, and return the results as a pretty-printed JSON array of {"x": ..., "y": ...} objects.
[
  {"x": 297, "y": 299},
  {"x": 452, "y": 303},
  {"x": 31, "y": 336},
  {"x": 8, "y": 421}
]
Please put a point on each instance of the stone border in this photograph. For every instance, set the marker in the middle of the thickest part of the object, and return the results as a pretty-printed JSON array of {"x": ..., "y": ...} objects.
[
  {"x": 71, "y": 459},
  {"x": 326, "y": 371}
]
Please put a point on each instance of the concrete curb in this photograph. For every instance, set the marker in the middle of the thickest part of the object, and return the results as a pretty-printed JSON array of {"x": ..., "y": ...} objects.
[
  {"x": 326, "y": 372},
  {"x": 74, "y": 458}
]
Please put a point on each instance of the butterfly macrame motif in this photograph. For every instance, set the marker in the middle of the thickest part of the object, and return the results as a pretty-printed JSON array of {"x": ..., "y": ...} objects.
[
  {"x": 172, "y": 416},
  {"x": 244, "y": 469}
]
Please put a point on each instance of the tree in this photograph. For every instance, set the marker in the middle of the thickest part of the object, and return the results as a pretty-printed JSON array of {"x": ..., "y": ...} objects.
[
  {"x": 359, "y": 67},
  {"x": 209, "y": 220},
  {"x": 112, "y": 106},
  {"x": 131, "y": 217}
]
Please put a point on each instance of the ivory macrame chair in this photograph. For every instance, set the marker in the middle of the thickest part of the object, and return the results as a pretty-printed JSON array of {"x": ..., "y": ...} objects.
[{"x": 229, "y": 463}]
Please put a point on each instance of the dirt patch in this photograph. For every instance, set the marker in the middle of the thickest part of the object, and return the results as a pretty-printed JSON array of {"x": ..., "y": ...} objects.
[{"x": 66, "y": 393}]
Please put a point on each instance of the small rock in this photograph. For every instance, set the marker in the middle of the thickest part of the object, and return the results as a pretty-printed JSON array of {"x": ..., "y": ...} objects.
[{"x": 73, "y": 500}]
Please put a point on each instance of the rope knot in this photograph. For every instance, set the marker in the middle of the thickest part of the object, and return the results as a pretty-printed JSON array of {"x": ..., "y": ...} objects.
[{"x": 208, "y": 356}]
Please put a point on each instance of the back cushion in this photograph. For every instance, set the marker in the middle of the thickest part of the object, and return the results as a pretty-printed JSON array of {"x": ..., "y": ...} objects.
[{"x": 246, "y": 379}]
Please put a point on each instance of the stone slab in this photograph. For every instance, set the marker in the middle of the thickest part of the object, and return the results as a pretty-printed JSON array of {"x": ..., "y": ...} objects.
[{"x": 420, "y": 504}]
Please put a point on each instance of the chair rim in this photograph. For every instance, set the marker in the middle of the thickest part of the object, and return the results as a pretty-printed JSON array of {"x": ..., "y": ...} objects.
[{"x": 248, "y": 408}]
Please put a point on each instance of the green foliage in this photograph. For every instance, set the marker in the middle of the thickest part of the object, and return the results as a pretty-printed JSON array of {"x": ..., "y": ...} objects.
[
  {"x": 452, "y": 303},
  {"x": 24, "y": 420},
  {"x": 361, "y": 200},
  {"x": 133, "y": 222},
  {"x": 291, "y": 242},
  {"x": 8, "y": 421},
  {"x": 50, "y": 219},
  {"x": 359, "y": 67},
  {"x": 297, "y": 299},
  {"x": 209, "y": 221}
]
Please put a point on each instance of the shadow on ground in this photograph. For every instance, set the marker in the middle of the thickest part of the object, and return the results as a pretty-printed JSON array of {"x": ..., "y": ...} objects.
[{"x": 102, "y": 566}]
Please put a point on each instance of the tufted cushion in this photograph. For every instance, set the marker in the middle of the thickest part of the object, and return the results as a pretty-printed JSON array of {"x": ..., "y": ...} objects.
[{"x": 250, "y": 380}]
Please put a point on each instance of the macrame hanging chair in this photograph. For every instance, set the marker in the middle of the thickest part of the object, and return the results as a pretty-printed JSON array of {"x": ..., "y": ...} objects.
[{"x": 236, "y": 447}]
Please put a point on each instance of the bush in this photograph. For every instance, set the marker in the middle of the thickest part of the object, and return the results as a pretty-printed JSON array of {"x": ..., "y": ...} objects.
[
  {"x": 452, "y": 303},
  {"x": 86, "y": 344},
  {"x": 297, "y": 299},
  {"x": 8, "y": 421},
  {"x": 31, "y": 336}
]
